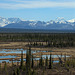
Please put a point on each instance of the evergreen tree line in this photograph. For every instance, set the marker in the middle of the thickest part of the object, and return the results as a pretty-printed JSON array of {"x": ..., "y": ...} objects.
[{"x": 52, "y": 40}]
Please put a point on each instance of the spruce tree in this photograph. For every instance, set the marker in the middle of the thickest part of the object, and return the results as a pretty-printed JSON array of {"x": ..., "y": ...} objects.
[
  {"x": 32, "y": 62},
  {"x": 28, "y": 62},
  {"x": 21, "y": 65},
  {"x": 29, "y": 57},
  {"x": 60, "y": 60},
  {"x": 65, "y": 58},
  {"x": 50, "y": 61},
  {"x": 41, "y": 63},
  {"x": 46, "y": 61}
]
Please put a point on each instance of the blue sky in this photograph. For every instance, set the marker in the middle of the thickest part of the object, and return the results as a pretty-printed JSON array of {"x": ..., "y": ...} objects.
[{"x": 43, "y": 10}]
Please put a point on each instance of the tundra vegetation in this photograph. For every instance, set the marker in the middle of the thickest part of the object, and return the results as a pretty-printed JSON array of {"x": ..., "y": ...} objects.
[{"x": 66, "y": 66}]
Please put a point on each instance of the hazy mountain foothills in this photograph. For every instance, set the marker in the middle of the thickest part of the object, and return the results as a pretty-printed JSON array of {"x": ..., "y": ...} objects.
[{"x": 59, "y": 23}]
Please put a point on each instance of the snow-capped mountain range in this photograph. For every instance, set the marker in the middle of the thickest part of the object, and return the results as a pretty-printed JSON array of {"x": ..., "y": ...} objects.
[
  {"x": 6, "y": 21},
  {"x": 58, "y": 23}
]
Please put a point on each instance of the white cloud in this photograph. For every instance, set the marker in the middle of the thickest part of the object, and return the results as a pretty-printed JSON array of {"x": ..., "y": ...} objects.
[{"x": 36, "y": 4}]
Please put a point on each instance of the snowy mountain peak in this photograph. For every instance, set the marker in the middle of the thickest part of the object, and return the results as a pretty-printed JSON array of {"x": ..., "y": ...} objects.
[
  {"x": 72, "y": 20},
  {"x": 3, "y": 21},
  {"x": 60, "y": 20},
  {"x": 14, "y": 20},
  {"x": 6, "y": 21}
]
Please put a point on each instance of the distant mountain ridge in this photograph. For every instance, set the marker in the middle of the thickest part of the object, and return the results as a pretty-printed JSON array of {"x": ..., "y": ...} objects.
[
  {"x": 6, "y": 21},
  {"x": 59, "y": 23}
]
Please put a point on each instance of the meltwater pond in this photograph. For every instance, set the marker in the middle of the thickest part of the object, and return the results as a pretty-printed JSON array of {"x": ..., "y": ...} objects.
[
  {"x": 53, "y": 56},
  {"x": 12, "y": 51},
  {"x": 3, "y": 57},
  {"x": 44, "y": 57},
  {"x": 9, "y": 56},
  {"x": 17, "y": 51},
  {"x": 55, "y": 61},
  {"x": 8, "y": 51},
  {"x": 11, "y": 61}
]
